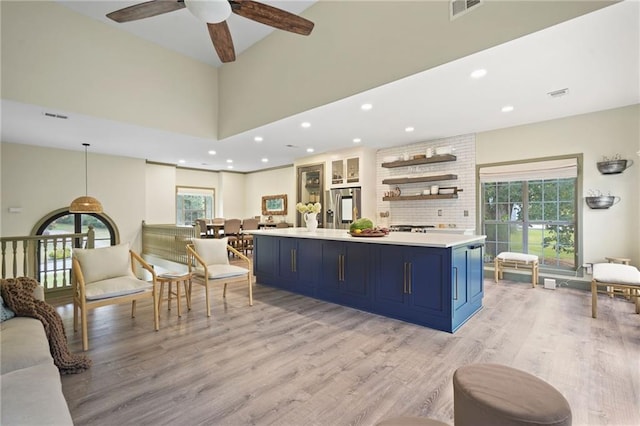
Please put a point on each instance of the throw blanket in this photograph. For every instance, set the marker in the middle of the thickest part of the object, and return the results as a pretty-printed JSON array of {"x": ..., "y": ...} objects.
[{"x": 18, "y": 296}]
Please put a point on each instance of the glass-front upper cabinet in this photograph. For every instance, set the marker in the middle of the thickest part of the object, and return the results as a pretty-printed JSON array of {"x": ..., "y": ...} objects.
[{"x": 345, "y": 171}]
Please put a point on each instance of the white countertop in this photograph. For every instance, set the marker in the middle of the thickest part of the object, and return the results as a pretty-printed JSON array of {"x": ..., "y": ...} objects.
[{"x": 436, "y": 239}]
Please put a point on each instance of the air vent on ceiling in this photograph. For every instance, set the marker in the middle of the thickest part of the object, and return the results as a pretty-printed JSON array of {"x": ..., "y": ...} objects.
[
  {"x": 460, "y": 7},
  {"x": 52, "y": 115},
  {"x": 558, "y": 93}
]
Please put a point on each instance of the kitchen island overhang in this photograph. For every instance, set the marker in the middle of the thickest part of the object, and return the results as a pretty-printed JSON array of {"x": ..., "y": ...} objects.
[{"x": 434, "y": 280}]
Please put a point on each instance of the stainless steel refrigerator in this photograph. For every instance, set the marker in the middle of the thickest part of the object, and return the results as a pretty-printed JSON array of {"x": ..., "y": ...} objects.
[{"x": 343, "y": 207}]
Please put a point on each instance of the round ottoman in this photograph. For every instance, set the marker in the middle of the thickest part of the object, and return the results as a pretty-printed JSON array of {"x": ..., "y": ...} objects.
[
  {"x": 492, "y": 394},
  {"x": 410, "y": 421}
]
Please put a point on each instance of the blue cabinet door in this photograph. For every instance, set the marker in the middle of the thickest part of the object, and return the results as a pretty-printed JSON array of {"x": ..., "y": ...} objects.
[
  {"x": 390, "y": 294},
  {"x": 264, "y": 256},
  {"x": 410, "y": 284},
  {"x": 287, "y": 266},
  {"x": 308, "y": 261},
  {"x": 428, "y": 278},
  {"x": 466, "y": 283},
  {"x": 345, "y": 274},
  {"x": 459, "y": 278}
]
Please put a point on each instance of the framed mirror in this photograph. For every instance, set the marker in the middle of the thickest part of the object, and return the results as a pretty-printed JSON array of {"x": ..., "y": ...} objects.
[{"x": 274, "y": 204}]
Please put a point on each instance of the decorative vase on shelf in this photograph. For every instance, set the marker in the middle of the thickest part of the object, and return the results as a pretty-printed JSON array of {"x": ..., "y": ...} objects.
[{"x": 311, "y": 220}]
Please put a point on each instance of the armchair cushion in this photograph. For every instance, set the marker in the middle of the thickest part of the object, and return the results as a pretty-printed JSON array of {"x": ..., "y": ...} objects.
[
  {"x": 616, "y": 273},
  {"x": 212, "y": 251},
  {"x": 222, "y": 271},
  {"x": 113, "y": 287},
  {"x": 103, "y": 263}
]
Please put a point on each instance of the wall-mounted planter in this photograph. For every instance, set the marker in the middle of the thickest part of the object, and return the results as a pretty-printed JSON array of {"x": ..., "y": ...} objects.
[
  {"x": 602, "y": 202},
  {"x": 614, "y": 166}
]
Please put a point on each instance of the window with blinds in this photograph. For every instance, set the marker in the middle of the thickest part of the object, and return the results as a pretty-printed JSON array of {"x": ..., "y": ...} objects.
[{"x": 531, "y": 207}]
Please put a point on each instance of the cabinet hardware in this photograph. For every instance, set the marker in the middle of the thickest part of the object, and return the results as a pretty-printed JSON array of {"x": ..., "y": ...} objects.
[
  {"x": 404, "y": 279},
  {"x": 455, "y": 297},
  {"x": 410, "y": 282},
  {"x": 341, "y": 267},
  {"x": 294, "y": 261}
]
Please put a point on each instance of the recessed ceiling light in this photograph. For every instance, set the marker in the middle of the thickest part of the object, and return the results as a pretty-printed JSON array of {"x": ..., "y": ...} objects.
[
  {"x": 181, "y": 161},
  {"x": 265, "y": 160},
  {"x": 366, "y": 107},
  {"x": 306, "y": 124},
  {"x": 479, "y": 73},
  {"x": 229, "y": 161},
  {"x": 409, "y": 129},
  {"x": 212, "y": 152},
  {"x": 507, "y": 108},
  {"x": 357, "y": 140},
  {"x": 258, "y": 139},
  {"x": 229, "y": 167},
  {"x": 310, "y": 149}
]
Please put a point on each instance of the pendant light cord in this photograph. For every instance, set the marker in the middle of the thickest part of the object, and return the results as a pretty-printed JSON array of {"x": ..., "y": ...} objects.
[{"x": 86, "y": 174}]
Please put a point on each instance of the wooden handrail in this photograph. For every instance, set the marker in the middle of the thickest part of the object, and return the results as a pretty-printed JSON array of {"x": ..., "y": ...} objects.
[{"x": 29, "y": 256}]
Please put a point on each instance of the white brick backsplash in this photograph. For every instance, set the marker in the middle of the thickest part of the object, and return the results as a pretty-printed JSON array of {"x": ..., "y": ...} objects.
[{"x": 425, "y": 212}]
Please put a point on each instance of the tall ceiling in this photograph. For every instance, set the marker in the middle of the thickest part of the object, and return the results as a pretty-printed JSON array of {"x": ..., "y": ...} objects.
[{"x": 596, "y": 57}]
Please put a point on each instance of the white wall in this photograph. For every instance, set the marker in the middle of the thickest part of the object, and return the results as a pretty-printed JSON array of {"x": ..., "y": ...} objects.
[
  {"x": 41, "y": 180},
  {"x": 231, "y": 196},
  {"x": 270, "y": 182},
  {"x": 57, "y": 58},
  {"x": 610, "y": 232},
  {"x": 160, "y": 202}
]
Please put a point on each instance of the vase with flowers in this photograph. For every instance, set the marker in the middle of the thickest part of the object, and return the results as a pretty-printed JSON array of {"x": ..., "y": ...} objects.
[{"x": 310, "y": 214}]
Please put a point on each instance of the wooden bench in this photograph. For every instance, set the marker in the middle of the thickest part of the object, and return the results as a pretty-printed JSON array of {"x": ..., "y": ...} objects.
[
  {"x": 518, "y": 261},
  {"x": 615, "y": 276}
]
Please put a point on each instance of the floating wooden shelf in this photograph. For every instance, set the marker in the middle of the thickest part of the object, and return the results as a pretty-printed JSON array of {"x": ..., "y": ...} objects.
[
  {"x": 398, "y": 181},
  {"x": 420, "y": 197},
  {"x": 418, "y": 161}
]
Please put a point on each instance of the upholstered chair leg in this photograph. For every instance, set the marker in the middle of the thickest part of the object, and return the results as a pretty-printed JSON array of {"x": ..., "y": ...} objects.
[
  {"x": 75, "y": 316},
  {"x": 133, "y": 309},
  {"x": 594, "y": 299},
  {"x": 85, "y": 331},
  {"x": 250, "y": 291},
  {"x": 156, "y": 308},
  {"x": 224, "y": 291},
  {"x": 206, "y": 297}
]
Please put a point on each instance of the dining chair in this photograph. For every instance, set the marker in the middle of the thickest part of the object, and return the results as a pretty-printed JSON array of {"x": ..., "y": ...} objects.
[
  {"x": 232, "y": 232},
  {"x": 250, "y": 224},
  {"x": 209, "y": 260},
  {"x": 106, "y": 276},
  {"x": 204, "y": 230},
  {"x": 218, "y": 227}
]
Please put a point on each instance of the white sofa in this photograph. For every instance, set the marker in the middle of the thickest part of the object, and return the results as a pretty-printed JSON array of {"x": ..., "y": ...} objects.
[{"x": 31, "y": 389}]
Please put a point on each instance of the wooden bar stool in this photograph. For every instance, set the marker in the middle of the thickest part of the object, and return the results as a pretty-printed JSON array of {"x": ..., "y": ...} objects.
[{"x": 177, "y": 278}]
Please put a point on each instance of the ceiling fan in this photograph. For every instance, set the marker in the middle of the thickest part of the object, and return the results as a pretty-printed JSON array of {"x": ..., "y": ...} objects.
[{"x": 215, "y": 13}]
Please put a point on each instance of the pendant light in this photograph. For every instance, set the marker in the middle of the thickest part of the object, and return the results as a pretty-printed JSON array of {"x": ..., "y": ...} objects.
[{"x": 85, "y": 204}]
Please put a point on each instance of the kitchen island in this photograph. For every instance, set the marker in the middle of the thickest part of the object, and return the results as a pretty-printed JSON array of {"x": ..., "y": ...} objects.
[{"x": 430, "y": 279}]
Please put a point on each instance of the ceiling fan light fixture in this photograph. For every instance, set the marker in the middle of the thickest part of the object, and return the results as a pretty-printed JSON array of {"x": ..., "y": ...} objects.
[{"x": 209, "y": 11}]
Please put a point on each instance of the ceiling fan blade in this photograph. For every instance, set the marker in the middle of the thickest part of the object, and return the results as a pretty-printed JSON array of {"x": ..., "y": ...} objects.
[
  {"x": 221, "y": 38},
  {"x": 145, "y": 10},
  {"x": 272, "y": 16}
]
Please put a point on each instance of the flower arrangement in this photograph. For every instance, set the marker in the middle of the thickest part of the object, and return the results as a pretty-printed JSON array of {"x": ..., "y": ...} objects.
[{"x": 309, "y": 208}]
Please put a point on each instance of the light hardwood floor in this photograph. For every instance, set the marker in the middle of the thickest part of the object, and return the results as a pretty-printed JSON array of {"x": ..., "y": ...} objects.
[{"x": 292, "y": 360}]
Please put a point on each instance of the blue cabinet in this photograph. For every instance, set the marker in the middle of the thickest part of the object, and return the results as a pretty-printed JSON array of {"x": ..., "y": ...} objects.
[
  {"x": 410, "y": 284},
  {"x": 345, "y": 274},
  {"x": 439, "y": 288},
  {"x": 467, "y": 282},
  {"x": 287, "y": 263}
]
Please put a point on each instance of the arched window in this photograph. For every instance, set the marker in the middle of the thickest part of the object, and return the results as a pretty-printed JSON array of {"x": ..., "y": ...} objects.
[{"x": 54, "y": 269}]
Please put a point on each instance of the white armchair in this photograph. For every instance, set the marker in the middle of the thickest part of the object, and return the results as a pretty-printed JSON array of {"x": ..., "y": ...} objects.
[
  {"x": 209, "y": 259},
  {"x": 106, "y": 276}
]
